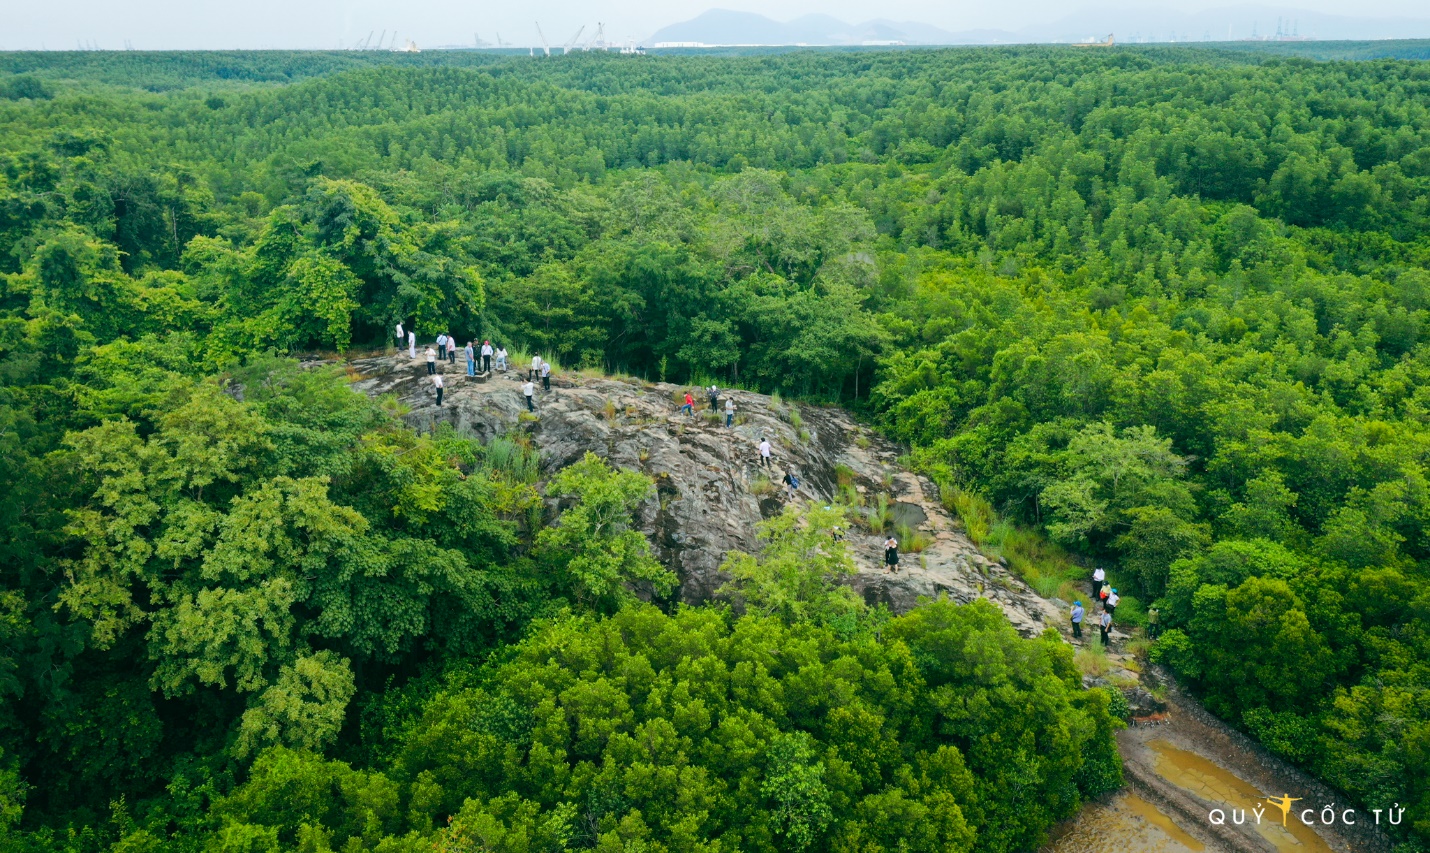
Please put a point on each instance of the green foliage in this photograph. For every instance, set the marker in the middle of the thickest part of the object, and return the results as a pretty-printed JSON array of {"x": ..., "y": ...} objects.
[
  {"x": 593, "y": 548},
  {"x": 797, "y": 575},
  {"x": 1165, "y": 307}
]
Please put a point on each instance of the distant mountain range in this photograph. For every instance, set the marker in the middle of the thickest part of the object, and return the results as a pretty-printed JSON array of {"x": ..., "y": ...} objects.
[{"x": 725, "y": 27}]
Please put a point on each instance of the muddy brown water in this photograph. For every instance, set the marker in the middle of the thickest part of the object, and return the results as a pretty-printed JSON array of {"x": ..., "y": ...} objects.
[
  {"x": 1130, "y": 824},
  {"x": 1219, "y": 785},
  {"x": 1126, "y": 823}
]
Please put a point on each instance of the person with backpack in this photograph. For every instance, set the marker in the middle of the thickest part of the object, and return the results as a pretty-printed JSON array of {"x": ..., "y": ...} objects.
[
  {"x": 791, "y": 483},
  {"x": 431, "y": 361},
  {"x": 1110, "y": 605},
  {"x": 1102, "y": 596},
  {"x": 471, "y": 355},
  {"x": 1077, "y": 614},
  {"x": 688, "y": 406},
  {"x": 486, "y": 356},
  {"x": 545, "y": 375},
  {"x": 764, "y": 452},
  {"x": 529, "y": 390},
  {"x": 729, "y": 412},
  {"x": 438, "y": 384},
  {"x": 891, "y": 555}
]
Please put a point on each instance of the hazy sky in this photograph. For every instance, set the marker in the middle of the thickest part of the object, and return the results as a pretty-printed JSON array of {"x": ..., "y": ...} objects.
[{"x": 211, "y": 24}]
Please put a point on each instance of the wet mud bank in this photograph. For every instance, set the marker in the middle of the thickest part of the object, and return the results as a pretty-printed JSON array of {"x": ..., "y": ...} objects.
[{"x": 1187, "y": 763}]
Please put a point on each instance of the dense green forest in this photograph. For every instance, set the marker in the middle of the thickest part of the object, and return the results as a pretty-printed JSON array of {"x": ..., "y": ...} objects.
[{"x": 1165, "y": 308}]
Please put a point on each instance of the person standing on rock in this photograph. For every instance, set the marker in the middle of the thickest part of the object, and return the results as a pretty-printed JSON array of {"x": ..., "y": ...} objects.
[
  {"x": 486, "y": 356},
  {"x": 442, "y": 346},
  {"x": 1077, "y": 614},
  {"x": 400, "y": 335},
  {"x": 412, "y": 345},
  {"x": 452, "y": 349},
  {"x": 1110, "y": 605},
  {"x": 545, "y": 375},
  {"x": 431, "y": 361},
  {"x": 471, "y": 355},
  {"x": 1152, "y": 628},
  {"x": 729, "y": 412},
  {"x": 688, "y": 406},
  {"x": 501, "y": 359},
  {"x": 1098, "y": 577},
  {"x": 1105, "y": 626},
  {"x": 529, "y": 391},
  {"x": 1102, "y": 596},
  {"x": 891, "y": 555},
  {"x": 535, "y": 367},
  {"x": 764, "y": 452},
  {"x": 438, "y": 384},
  {"x": 713, "y": 392}
]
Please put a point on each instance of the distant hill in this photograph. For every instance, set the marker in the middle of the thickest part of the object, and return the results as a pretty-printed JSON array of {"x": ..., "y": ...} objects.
[
  {"x": 1130, "y": 24},
  {"x": 723, "y": 26}
]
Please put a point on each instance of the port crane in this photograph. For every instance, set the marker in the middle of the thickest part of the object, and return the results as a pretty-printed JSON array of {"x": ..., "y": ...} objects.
[{"x": 544, "y": 46}]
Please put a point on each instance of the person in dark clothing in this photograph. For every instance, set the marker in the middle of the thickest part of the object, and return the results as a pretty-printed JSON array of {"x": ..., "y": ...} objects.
[
  {"x": 545, "y": 375},
  {"x": 437, "y": 382},
  {"x": 1153, "y": 615},
  {"x": 431, "y": 361},
  {"x": 487, "y": 356},
  {"x": 1105, "y": 626},
  {"x": 791, "y": 483},
  {"x": 891, "y": 555},
  {"x": 529, "y": 390}
]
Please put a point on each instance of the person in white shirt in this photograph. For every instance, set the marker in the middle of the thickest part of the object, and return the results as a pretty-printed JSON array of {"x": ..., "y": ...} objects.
[
  {"x": 487, "y": 356},
  {"x": 400, "y": 336},
  {"x": 764, "y": 452},
  {"x": 729, "y": 412},
  {"x": 1111, "y": 604},
  {"x": 452, "y": 348},
  {"x": 529, "y": 390},
  {"x": 431, "y": 361},
  {"x": 1098, "y": 578},
  {"x": 437, "y": 383},
  {"x": 545, "y": 375},
  {"x": 535, "y": 367},
  {"x": 412, "y": 345},
  {"x": 501, "y": 359}
]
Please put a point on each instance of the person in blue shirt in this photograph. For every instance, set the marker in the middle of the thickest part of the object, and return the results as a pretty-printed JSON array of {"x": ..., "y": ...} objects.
[{"x": 1077, "y": 614}]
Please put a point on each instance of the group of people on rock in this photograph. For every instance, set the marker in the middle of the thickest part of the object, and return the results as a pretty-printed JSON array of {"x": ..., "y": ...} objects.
[
  {"x": 1105, "y": 600},
  {"x": 483, "y": 358}
]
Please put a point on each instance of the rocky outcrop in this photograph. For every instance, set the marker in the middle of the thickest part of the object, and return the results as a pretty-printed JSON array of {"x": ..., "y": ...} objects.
[{"x": 711, "y": 490}]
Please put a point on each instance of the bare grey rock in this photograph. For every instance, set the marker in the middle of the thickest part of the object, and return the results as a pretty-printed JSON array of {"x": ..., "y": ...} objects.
[{"x": 710, "y": 488}]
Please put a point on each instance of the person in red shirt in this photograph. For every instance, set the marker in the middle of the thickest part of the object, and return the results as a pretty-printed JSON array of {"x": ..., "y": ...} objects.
[{"x": 689, "y": 407}]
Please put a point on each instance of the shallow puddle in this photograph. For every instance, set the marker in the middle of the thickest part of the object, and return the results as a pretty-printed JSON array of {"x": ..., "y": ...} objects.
[
  {"x": 1218, "y": 785},
  {"x": 1128, "y": 824}
]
